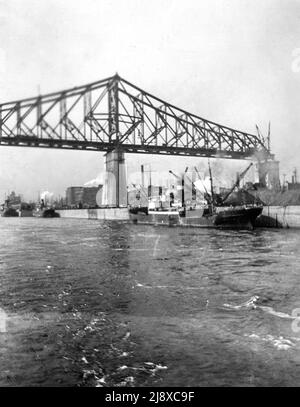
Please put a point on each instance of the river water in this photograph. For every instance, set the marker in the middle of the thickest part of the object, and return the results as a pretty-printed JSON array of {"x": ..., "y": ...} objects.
[{"x": 90, "y": 303}]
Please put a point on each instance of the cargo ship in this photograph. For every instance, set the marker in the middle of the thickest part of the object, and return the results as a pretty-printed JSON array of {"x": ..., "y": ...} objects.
[
  {"x": 242, "y": 217},
  {"x": 216, "y": 213},
  {"x": 10, "y": 206}
]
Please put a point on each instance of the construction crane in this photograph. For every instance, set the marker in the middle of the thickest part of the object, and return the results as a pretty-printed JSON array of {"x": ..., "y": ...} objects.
[{"x": 260, "y": 135}]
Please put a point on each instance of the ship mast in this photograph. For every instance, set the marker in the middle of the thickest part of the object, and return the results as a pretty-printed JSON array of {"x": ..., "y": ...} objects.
[
  {"x": 211, "y": 187},
  {"x": 196, "y": 169}
]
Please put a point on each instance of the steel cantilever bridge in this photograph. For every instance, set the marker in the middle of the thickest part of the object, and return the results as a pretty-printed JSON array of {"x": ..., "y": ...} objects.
[{"x": 113, "y": 114}]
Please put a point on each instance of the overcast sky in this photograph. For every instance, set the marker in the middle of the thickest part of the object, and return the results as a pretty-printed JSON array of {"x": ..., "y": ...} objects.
[{"x": 233, "y": 62}]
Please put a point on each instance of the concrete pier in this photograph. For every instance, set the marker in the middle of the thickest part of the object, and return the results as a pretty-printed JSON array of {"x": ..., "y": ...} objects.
[
  {"x": 115, "y": 191},
  {"x": 101, "y": 213},
  {"x": 280, "y": 216}
]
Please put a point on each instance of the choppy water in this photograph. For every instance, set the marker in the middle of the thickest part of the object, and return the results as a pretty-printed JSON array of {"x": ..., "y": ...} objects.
[{"x": 87, "y": 303}]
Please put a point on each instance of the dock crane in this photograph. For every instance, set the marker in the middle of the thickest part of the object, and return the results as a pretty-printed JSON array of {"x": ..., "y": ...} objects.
[
  {"x": 239, "y": 178},
  {"x": 182, "y": 183},
  {"x": 212, "y": 198},
  {"x": 260, "y": 135},
  {"x": 192, "y": 185}
]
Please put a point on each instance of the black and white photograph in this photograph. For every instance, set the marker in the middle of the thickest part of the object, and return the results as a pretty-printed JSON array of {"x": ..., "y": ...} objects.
[{"x": 149, "y": 196}]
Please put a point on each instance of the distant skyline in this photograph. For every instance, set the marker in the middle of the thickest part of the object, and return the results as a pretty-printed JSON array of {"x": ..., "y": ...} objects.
[{"x": 235, "y": 62}]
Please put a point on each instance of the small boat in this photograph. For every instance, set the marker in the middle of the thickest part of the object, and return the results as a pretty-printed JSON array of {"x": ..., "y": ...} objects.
[
  {"x": 215, "y": 214},
  {"x": 42, "y": 211}
]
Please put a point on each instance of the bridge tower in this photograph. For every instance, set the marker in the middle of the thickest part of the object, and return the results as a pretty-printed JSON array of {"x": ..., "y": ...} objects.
[
  {"x": 268, "y": 174},
  {"x": 115, "y": 188}
]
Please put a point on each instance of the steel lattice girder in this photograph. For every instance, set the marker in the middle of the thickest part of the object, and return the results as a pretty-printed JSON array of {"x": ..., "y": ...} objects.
[{"x": 113, "y": 113}]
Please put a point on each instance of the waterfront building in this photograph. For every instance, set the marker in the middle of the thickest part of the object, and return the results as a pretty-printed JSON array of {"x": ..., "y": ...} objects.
[{"x": 82, "y": 197}]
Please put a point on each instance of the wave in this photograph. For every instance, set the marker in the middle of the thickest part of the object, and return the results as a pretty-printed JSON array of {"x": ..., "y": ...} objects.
[
  {"x": 279, "y": 342},
  {"x": 247, "y": 304},
  {"x": 252, "y": 304},
  {"x": 167, "y": 286}
]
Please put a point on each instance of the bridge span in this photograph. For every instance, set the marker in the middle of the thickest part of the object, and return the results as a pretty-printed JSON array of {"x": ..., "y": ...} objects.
[{"x": 115, "y": 116}]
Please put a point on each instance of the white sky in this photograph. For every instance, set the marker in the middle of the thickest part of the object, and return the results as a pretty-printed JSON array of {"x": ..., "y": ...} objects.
[{"x": 234, "y": 62}]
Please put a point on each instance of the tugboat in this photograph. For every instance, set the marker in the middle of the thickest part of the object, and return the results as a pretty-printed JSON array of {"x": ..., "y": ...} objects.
[
  {"x": 216, "y": 213},
  {"x": 42, "y": 211}
]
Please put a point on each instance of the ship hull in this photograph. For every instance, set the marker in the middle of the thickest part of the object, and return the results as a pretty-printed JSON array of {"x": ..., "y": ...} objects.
[
  {"x": 46, "y": 213},
  {"x": 9, "y": 212},
  {"x": 223, "y": 218}
]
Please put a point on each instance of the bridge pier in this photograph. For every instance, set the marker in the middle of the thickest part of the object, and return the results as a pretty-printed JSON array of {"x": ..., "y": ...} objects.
[{"x": 115, "y": 188}]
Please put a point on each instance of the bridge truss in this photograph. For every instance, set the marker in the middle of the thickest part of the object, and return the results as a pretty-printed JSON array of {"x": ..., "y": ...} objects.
[{"x": 114, "y": 114}]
